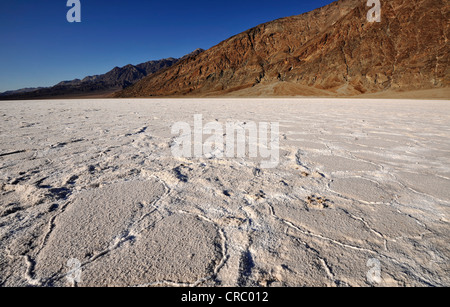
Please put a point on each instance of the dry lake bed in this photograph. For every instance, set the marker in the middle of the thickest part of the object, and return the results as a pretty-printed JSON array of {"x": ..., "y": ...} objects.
[{"x": 92, "y": 194}]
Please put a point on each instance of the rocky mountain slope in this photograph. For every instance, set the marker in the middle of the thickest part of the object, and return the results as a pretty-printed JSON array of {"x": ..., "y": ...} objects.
[{"x": 333, "y": 50}]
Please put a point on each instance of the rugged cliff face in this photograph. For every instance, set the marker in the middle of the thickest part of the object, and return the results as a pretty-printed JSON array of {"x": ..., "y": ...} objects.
[{"x": 333, "y": 50}]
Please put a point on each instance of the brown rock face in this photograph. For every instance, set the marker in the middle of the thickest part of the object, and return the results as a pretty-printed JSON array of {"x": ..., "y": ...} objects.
[{"x": 333, "y": 50}]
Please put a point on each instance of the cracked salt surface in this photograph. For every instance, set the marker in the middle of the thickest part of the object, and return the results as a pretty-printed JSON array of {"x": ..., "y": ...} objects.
[{"x": 94, "y": 180}]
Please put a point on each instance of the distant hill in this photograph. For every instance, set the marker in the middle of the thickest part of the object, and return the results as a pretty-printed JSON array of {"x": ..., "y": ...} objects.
[
  {"x": 99, "y": 85},
  {"x": 20, "y": 91},
  {"x": 331, "y": 51}
]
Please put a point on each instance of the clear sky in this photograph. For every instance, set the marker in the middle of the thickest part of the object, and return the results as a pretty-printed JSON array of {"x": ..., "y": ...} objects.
[{"x": 40, "y": 48}]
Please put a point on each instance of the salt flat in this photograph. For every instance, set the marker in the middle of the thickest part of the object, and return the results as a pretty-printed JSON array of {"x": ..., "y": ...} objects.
[{"x": 359, "y": 197}]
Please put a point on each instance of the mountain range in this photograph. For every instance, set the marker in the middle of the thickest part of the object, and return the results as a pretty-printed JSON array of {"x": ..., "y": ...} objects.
[
  {"x": 330, "y": 51},
  {"x": 99, "y": 85}
]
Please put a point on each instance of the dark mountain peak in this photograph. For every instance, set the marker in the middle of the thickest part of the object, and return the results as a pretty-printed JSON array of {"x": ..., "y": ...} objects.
[
  {"x": 197, "y": 51},
  {"x": 69, "y": 82},
  {"x": 192, "y": 54}
]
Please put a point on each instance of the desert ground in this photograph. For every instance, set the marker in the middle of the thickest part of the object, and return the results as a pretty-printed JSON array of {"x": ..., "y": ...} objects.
[{"x": 360, "y": 196}]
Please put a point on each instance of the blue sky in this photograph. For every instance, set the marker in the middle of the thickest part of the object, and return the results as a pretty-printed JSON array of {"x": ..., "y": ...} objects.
[{"x": 40, "y": 48}]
